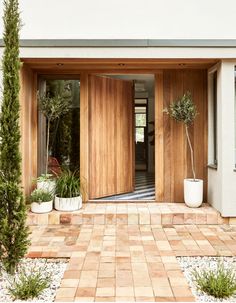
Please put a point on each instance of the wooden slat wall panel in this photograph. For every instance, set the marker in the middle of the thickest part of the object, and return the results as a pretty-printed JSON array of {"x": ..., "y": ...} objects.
[
  {"x": 110, "y": 136},
  {"x": 28, "y": 124},
  {"x": 171, "y": 135},
  {"x": 84, "y": 134},
  {"x": 125, "y": 136}
]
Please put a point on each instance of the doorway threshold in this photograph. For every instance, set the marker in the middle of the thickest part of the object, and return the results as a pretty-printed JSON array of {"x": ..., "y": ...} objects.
[{"x": 144, "y": 190}]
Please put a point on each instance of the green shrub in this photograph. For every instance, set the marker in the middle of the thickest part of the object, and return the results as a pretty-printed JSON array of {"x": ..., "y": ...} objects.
[
  {"x": 40, "y": 196},
  {"x": 44, "y": 178},
  {"x": 68, "y": 184},
  {"x": 219, "y": 283},
  {"x": 28, "y": 286},
  {"x": 13, "y": 211}
]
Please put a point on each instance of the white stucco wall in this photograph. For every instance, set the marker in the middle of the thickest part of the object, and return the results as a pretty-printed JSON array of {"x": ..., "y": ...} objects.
[
  {"x": 106, "y": 19},
  {"x": 221, "y": 182}
]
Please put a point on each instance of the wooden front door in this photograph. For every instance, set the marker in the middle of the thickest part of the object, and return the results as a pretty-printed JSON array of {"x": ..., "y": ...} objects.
[{"x": 111, "y": 137}]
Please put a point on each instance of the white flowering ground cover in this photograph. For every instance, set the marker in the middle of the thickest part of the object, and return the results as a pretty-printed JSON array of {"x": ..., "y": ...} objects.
[
  {"x": 188, "y": 264},
  {"x": 53, "y": 267}
]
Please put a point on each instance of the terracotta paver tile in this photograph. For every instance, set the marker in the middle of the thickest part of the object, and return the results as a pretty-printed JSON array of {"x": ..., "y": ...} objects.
[
  {"x": 69, "y": 283},
  {"x": 125, "y": 299},
  {"x": 105, "y": 292},
  {"x": 84, "y": 299},
  {"x": 178, "y": 281},
  {"x": 143, "y": 292},
  {"x": 161, "y": 282},
  {"x": 124, "y": 291},
  {"x": 66, "y": 292},
  {"x": 185, "y": 299},
  {"x": 71, "y": 274},
  {"x": 164, "y": 299},
  {"x": 88, "y": 279},
  {"x": 106, "y": 282},
  {"x": 90, "y": 265},
  {"x": 124, "y": 278},
  {"x": 85, "y": 292},
  {"x": 162, "y": 291},
  {"x": 105, "y": 299},
  {"x": 181, "y": 291},
  {"x": 141, "y": 279},
  {"x": 69, "y": 299}
]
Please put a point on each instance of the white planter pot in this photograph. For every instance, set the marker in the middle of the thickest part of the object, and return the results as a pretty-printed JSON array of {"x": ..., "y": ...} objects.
[
  {"x": 193, "y": 192},
  {"x": 48, "y": 185},
  {"x": 40, "y": 208},
  {"x": 68, "y": 204}
]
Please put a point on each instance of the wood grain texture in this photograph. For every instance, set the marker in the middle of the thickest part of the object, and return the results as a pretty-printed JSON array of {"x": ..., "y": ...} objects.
[
  {"x": 171, "y": 150},
  {"x": 28, "y": 125},
  {"x": 84, "y": 135},
  {"x": 111, "y": 137}
]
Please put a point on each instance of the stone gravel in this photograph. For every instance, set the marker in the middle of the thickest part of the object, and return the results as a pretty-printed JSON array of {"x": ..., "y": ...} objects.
[
  {"x": 53, "y": 267},
  {"x": 188, "y": 264}
]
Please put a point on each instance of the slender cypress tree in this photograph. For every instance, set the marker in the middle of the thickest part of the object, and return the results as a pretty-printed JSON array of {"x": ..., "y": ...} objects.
[{"x": 13, "y": 230}]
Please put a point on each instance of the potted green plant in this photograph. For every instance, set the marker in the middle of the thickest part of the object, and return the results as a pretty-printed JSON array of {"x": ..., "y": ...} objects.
[
  {"x": 46, "y": 182},
  {"x": 68, "y": 191},
  {"x": 52, "y": 108},
  {"x": 41, "y": 201},
  {"x": 184, "y": 110}
]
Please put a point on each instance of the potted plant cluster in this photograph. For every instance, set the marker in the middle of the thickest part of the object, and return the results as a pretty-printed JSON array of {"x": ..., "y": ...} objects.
[
  {"x": 41, "y": 201},
  {"x": 184, "y": 110},
  {"x": 68, "y": 191}
]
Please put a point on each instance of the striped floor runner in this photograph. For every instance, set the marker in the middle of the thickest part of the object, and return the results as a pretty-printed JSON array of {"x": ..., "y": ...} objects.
[{"x": 144, "y": 189}]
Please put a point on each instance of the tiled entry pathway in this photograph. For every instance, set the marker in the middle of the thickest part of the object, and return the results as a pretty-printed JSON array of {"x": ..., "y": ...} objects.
[{"x": 128, "y": 262}]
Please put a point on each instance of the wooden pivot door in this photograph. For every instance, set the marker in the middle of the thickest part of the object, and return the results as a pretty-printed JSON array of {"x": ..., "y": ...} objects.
[{"x": 111, "y": 137}]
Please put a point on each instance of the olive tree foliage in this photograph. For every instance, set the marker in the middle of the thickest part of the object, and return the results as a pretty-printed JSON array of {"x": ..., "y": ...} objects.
[
  {"x": 52, "y": 108},
  {"x": 184, "y": 110}
]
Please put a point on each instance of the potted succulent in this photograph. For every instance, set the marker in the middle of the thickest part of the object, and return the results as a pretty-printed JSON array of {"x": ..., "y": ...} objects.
[
  {"x": 68, "y": 191},
  {"x": 184, "y": 110},
  {"x": 52, "y": 108},
  {"x": 41, "y": 201}
]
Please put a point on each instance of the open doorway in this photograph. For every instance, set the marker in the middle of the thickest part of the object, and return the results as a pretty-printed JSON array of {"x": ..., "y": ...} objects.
[{"x": 143, "y": 123}]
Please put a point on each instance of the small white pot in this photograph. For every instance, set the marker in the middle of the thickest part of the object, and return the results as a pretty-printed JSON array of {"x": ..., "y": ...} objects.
[
  {"x": 68, "y": 204},
  {"x": 193, "y": 192},
  {"x": 49, "y": 185},
  {"x": 41, "y": 208}
]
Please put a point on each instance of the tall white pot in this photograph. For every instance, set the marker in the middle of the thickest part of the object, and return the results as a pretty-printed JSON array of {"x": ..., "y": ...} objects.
[
  {"x": 68, "y": 204},
  {"x": 193, "y": 192}
]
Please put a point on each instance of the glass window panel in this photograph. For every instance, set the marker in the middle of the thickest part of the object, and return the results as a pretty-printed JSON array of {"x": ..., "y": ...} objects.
[
  {"x": 139, "y": 134},
  {"x": 64, "y": 144},
  {"x": 140, "y": 101},
  {"x": 140, "y": 120},
  {"x": 140, "y": 110}
]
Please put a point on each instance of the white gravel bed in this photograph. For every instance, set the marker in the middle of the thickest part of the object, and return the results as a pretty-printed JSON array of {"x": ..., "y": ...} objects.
[
  {"x": 53, "y": 267},
  {"x": 188, "y": 264}
]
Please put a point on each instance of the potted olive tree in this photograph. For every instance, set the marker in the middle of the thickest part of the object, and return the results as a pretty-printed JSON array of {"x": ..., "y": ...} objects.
[
  {"x": 41, "y": 201},
  {"x": 52, "y": 108},
  {"x": 184, "y": 110},
  {"x": 68, "y": 191}
]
